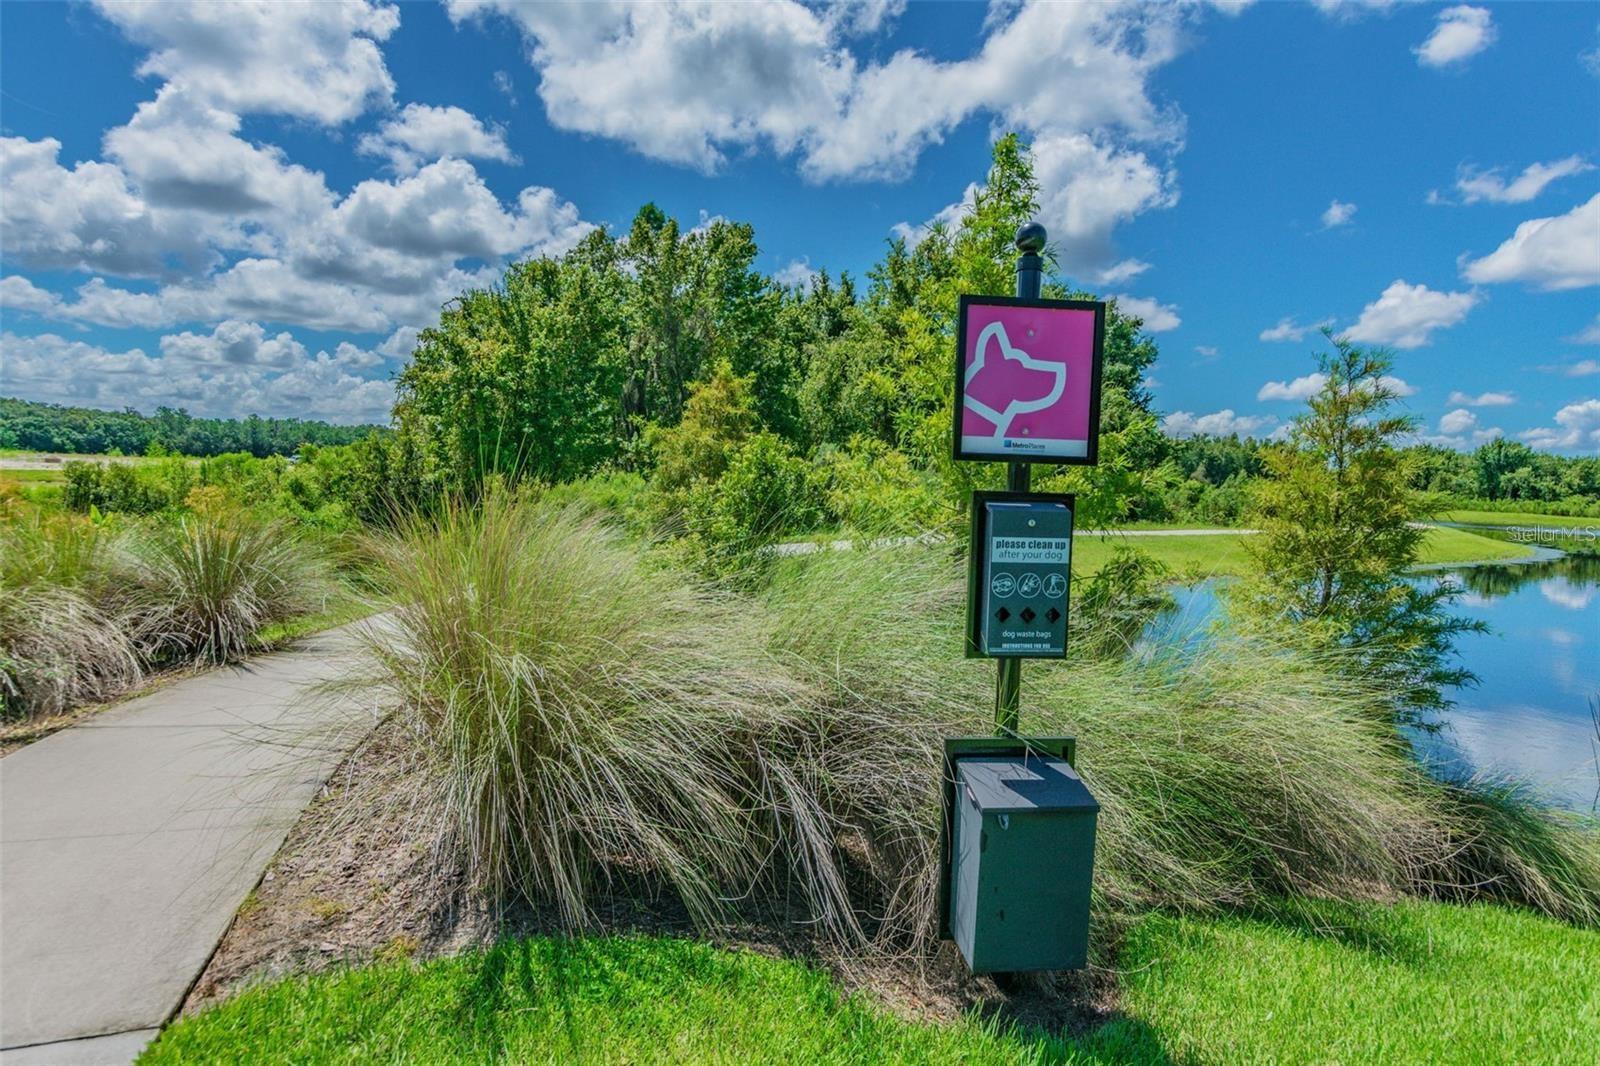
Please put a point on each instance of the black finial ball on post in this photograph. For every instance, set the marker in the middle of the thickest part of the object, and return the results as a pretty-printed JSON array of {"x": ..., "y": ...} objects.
[{"x": 1030, "y": 238}]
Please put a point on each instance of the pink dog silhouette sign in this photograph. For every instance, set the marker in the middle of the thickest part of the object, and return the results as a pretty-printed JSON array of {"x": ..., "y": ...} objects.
[{"x": 1028, "y": 379}]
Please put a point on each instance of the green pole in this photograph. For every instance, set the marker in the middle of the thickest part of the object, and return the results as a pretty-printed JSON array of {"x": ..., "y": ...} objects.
[{"x": 1030, "y": 241}]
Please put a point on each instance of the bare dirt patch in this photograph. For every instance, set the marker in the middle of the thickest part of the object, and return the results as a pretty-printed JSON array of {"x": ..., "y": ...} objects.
[{"x": 358, "y": 880}]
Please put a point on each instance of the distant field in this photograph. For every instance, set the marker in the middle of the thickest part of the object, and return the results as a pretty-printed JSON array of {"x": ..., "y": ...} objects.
[
  {"x": 1199, "y": 557},
  {"x": 32, "y": 475},
  {"x": 1515, "y": 518},
  {"x": 1225, "y": 556}
]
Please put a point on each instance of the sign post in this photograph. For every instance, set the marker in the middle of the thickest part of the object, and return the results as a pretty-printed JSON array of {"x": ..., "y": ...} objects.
[
  {"x": 1019, "y": 825},
  {"x": 1028, "y": 383}
]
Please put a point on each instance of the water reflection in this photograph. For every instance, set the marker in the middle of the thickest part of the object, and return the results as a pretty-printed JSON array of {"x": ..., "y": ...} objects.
[{"x": 1538, "y": 668}]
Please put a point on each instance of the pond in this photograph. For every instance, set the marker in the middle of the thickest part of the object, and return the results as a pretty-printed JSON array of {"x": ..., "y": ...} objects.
[{"x": 1530, "y": 715}]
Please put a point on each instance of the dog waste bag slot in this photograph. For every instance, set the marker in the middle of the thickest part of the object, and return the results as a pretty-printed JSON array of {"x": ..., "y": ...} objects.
[
  {"x": 1022, "y": 862},
  {"x": 1025, "y": 560}
]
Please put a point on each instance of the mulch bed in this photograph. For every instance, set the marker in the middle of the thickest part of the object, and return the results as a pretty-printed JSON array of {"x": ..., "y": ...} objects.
[{"x": 356, "y": 880}]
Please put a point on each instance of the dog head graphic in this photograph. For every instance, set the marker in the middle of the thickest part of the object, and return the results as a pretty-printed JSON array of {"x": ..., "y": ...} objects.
[{"x": 1003, "y": 381}]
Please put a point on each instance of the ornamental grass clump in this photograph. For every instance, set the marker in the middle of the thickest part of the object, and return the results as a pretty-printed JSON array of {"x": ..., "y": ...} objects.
[
  {"x": 1227, "y": 771},
  {"x": 198, "y": 588},
  {"x": 579, "y": 710},
  {"x": 60, "y": 643}
]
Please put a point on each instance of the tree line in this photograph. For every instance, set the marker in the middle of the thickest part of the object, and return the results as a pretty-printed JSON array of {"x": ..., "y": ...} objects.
[{"x": 48, "y": 427}]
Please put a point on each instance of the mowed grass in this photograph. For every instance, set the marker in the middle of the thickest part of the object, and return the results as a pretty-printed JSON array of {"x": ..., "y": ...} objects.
[
  {"x": 1224, "y": 555},
  {"x": 1415, "y": 983},
  {"x": 597, "y": 1000},
  {"x": 1459, "y": 546},
  {"x": 1514, "y": 518}
]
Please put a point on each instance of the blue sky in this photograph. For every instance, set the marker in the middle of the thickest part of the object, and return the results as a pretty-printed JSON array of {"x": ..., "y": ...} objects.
[{"x": 245, "y": 209}]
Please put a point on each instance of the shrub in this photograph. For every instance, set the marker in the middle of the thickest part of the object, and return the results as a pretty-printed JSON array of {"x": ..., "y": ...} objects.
[
  {"x": 57, "y": 650},
  {"x": 1227, "y": 770},
  {"x": 873, "y": 489},
  {"x": 199, "y": 588},
  {"x": 129, "y": 488},
  {"x": 768, "y": 492},
  {"x": 58, "y": 645},
  {"x": 583, "y": 710},
  {"x": 1508, "y": 846},
  {"x": 718, "y": 417},
  {"x": 580, "y": 712}
]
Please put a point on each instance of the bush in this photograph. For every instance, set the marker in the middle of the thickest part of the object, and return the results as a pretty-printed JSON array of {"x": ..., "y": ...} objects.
[
  {"x": 872, "y": 489},
  {"x": 1508, "y": 846},
  {"x": 768, "y": 492},
  {"x": 585, "y": 711},
  {"x": 59, "y": 646},
  {"x": 199, "y": 588},
  {"x": 579, "y": 711},
  {"x": 129, "y": 488}
]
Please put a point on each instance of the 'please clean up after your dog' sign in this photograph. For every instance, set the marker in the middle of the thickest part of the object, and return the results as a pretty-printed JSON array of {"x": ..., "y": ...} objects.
[{"x": 1028, "y": 376}]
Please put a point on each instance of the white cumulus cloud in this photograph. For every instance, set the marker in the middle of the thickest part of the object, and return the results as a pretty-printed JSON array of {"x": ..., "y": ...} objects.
[
  {"x": 1561, "y": 252},
  {"x": 318, "y": 61},
  {"x": 235, "y": 342},
  {"x": 1157, "y": 317},
  {"x": 1074, "y": 78},
  {"x": 1491, "y": 186},
  {"x": 236, "y": 371},
  {"x": 89, "y": 217},
  {"x": 1338, "y": 214},
  {"x": 1486, "y": 399},
  {"x": 1301, "y": 388},
  {"x": 1288, "y": 330},
  {"x": 1218, "y": 423},
  {"x": 1577, "y": 428},
  {"x": 1461, "y": 33},
  {"x": 423, "y": 133},
  {"x": 1589, "y": 334},
  {"x": 1458, "y": 421},
  {"x": 1406, "y": 316}
]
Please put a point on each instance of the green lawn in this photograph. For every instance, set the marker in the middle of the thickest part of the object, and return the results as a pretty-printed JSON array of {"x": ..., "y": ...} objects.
[
  {"x": 634, "y": 999},
  {"x": 1225, "y": 556},
  {"x": 1418, "y": 983},
  {"x": 1513, "y": 518},
  {"x": 1460, "y": 546}
]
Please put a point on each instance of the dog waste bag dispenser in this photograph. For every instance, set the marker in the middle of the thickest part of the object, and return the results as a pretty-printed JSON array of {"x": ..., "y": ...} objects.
[
  {"x": 1021, "y": 861},
  {"x": 1020, "y": 568}
]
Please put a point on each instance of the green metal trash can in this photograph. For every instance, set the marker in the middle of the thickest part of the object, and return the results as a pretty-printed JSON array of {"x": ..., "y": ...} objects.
[{"x": 1021, "y": 863}]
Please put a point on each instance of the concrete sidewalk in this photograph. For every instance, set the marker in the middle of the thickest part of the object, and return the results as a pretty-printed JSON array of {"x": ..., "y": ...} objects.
[{"x": 127, "y": 843}]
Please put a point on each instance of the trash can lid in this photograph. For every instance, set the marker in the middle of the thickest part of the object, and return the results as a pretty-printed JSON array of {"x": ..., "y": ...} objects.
[{"x": 1018, "y": 783}]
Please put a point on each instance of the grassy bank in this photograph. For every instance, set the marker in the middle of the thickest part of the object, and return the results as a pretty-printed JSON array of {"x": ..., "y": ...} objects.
[
  {"x": 1416, "y": 983},
  {"x": 1224, "y": 555},
  {"x": 1518, "y": 518}
]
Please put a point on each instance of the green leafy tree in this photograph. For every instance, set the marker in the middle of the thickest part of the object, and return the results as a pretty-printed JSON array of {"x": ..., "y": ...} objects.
[
  {"x": 524, "y": 380},
  {"x": 1336, "y": 514},
  {"x": 719, "y": 416}
]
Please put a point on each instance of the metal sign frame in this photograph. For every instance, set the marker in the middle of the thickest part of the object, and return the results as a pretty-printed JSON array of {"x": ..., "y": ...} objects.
[
  {"x": 1097, "y": 360},
  {"x": 977, "y": 567}
]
